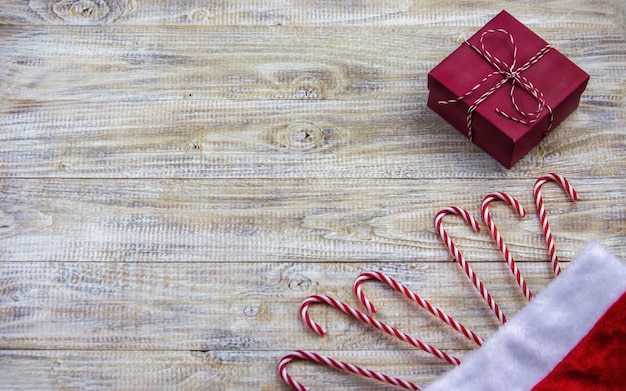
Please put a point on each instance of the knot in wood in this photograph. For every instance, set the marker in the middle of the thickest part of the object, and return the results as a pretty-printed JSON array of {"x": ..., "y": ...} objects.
[
  {"x": 251, "y": 311},
  {"x": 201, "y": 15},
  {"x": 303, "y": 137},
  {"x": 307, "y": 87},
  {"x": 81, "y": 10},
  {"x": 299, "y": 283}
]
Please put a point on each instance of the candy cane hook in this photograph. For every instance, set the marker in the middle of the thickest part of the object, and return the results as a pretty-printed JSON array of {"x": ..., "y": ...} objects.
[
  {"x": 346, "y": 309},
  {"x": 500, "y": 196},
  {"x": 544, "y": 218},
  {"x": 461, "y": 260},
  {"x": 339, "y": 365},
  {"x": 409, "y": 294}
]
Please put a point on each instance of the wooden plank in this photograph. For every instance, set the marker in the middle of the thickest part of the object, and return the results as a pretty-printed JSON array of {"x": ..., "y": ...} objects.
[
  {"x": 150, "y": 104},
  {"x": 131, "y": 63},
  {"x": 276, "y": 12},
  {"x": 297, "y": 220},
  {"x": 195, "y": 370},
  {"x": 620, "y": 16},
  {"x": 148, "y": 64},
  {"x": 240, "y": 306},
  {"x": 287, "y": 140},
  {"x": 178, "y": 176}
]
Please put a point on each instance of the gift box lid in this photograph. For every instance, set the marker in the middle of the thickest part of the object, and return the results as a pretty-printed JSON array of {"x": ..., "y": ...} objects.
[{"x": 512, "y": 44}]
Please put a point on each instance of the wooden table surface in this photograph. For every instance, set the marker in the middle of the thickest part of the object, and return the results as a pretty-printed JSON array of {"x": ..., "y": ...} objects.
[{"x": 177, "y": 176}]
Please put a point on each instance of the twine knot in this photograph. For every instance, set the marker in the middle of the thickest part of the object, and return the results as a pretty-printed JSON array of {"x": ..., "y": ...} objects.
[{"x": 512, "y": 75}]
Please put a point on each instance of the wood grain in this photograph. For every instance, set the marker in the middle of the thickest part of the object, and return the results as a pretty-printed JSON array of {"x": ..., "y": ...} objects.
[
  {"x": 265, "y": 220},
  {"x": 176, "y": 177},
  {"x": 215, "y": 102},
  {"x": 182, "y": 323},
  {"x": 194, "y": 370},
  {"x": 195, "y": 306},
  {"x": 284, "y": 13}
]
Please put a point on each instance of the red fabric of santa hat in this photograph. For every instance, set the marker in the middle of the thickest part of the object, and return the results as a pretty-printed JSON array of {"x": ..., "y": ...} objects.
[{"x": 572, "y": 336}]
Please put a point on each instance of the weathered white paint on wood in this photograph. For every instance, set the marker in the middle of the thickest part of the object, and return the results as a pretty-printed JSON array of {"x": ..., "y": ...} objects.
[
  {"x": 220, "y": 102},
  {"x": 197, "y": 370},
  {"x": 314, "y": 220},
  {"x": 284, "y": 13},
  {"x": 176, "y": 177},
  {"x": 238, "y": 307}
]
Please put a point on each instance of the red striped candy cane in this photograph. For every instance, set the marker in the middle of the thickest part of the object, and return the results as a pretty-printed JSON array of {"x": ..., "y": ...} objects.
[
  {"x": 339, "y": 365},
  {"x": 346, "y": 309},
  {"x": 498, "y": 238},
  {"x": 461, "y": 260},
  {"x": 542, "y": 212},
  {"x": 406, "y": 292}
]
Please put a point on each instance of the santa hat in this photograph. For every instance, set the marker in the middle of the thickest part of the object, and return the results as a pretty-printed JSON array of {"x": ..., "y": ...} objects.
[{"x": 572, "y": 336}]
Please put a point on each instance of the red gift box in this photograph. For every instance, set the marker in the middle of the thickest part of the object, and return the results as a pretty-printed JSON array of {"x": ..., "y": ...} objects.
[{"x": 505, "y": 88}]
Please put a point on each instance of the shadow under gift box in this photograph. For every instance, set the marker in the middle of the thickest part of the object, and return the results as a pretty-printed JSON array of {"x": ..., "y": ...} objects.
[{"x": 555, "y": 79}]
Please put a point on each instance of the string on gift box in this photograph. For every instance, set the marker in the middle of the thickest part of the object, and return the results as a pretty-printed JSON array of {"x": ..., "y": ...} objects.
[
  {"x": 495, "y": 233},
  {"x": 543, "y": 217},
  {"x": 508, "y": 72}
]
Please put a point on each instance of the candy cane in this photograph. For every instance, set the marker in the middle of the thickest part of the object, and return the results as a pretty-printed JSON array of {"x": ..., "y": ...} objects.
[
  {"x": 498, "y": 238},
  {"x": 340, "y": 365},
  {"x": 346, "y": 309},
  {"x": 461, "y": 260},
  {"x": 542, "y": 212},
  {"x": 406, "y": 292}
]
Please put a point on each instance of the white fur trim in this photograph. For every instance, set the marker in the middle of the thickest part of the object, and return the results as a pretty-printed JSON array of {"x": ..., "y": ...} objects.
[{"x": 529, "y": 346}]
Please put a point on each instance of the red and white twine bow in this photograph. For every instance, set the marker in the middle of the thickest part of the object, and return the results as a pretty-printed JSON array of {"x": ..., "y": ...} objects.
[{"x": 507, "y": 72}]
